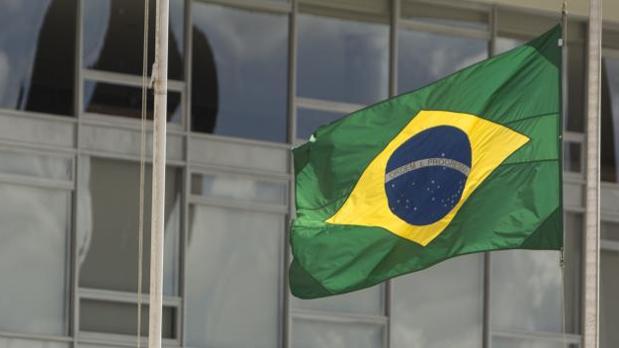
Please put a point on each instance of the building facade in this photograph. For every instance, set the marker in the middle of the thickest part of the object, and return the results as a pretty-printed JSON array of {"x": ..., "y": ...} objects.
[{"x": 249, "y": 79}]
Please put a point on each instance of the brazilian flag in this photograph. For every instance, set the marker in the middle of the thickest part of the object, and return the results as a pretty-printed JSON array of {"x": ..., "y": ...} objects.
[{"x": 470, "y": 163}]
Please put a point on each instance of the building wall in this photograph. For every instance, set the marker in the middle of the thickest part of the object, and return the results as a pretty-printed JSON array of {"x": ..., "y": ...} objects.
[
  {"x": 249, "y": 80},
  {"x": 578, "y": 8}
]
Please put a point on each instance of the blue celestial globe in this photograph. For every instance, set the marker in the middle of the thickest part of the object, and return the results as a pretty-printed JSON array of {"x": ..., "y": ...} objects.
[{"x": 426, "y": 175}]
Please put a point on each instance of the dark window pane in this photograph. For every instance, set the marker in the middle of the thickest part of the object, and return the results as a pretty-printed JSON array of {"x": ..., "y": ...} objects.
[
  {"x": 239, "y": 78},
  {"x": 309, "y": 120},
  {"x": 576, "y": 81},
  {"x": 108, "y": 243},
  {"x": 114, "y": 31},
  {"x": 610, "y": 231},
  {"x": 572, "y": 161},
  {"x": 120, "y": 318},
  {"x": 37, "y": 49},
  {"x": 342, "y": 60},
  {"x": 425, "y": 57},
  {"x": 117, "y": 100},
  {"x": 610, "y": 119}
]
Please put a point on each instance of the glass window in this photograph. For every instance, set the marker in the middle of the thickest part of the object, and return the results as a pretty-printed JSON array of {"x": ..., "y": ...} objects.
[
  {"x": 33, "y": 259},
  {"x": 342, "y": 60},
  {"x": 240, "y": 72},
  {"x": 526, "y": 289},
  {"x": 610, "y": 230},
  {"x": 239, "y": 188},
  {"x": 121, "y": 318},
  {"x": 114, "y": 32},
  {"x": 450, "y": 293},
  {"x": 609, "y": 300},
  {"x": 312, "y": 334},
  {"x": 108, "y": 240},
  {"x": 309, "y": 120},
  {"x": 367, "y": 301},
  {"x": 37, "y": 50},
  {"x": 426, "y": 57},
  {"x": 118, "y": 100},
  {"x": 610, "y": 119},
  {"x": 572, "y": 157},
  {"x": 233, "y": 270}
]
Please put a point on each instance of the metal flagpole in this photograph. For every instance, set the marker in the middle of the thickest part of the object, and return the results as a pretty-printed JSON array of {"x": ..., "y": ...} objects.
[
  {"x": 160, "y": 85},
  {"x": 592, "y": 209}
]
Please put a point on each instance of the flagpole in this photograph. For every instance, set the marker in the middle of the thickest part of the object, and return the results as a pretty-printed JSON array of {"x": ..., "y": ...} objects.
[
  {"x": 592, "y": 208},
  {"x": 160, "y": 85}
]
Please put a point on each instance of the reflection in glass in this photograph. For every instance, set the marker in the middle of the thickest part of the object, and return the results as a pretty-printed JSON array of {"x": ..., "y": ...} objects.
[
  {"x": 234, "y": 260},
  {"x": 342, "y": 60},
  {"x": 309, "y": 120},
  {"x": 107, "y": 238},
  {"x": 37, "y": 48},
  {"x": 425, "y": 57},
  {"x": 610, "y": 120},
  {"x": 449, "y": 293},
  {"x": 609, "y": 302},
  {"x": 33, "y": 249},
  {"x": 367, "y": 301},
  {"x": 312, "y": 334},
  {"x": 126, "y": 101},
  {"x": 238, "y": 188},
  {"x": 239, "y": 77},
  {"x": 114, "y": 32},
  {"x": 526, "y": 286}
]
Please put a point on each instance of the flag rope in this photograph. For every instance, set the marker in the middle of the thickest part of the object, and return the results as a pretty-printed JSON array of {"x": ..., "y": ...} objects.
[
  {"x": 142, "y": 171},
  {"x": 563, "y": 123}
]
